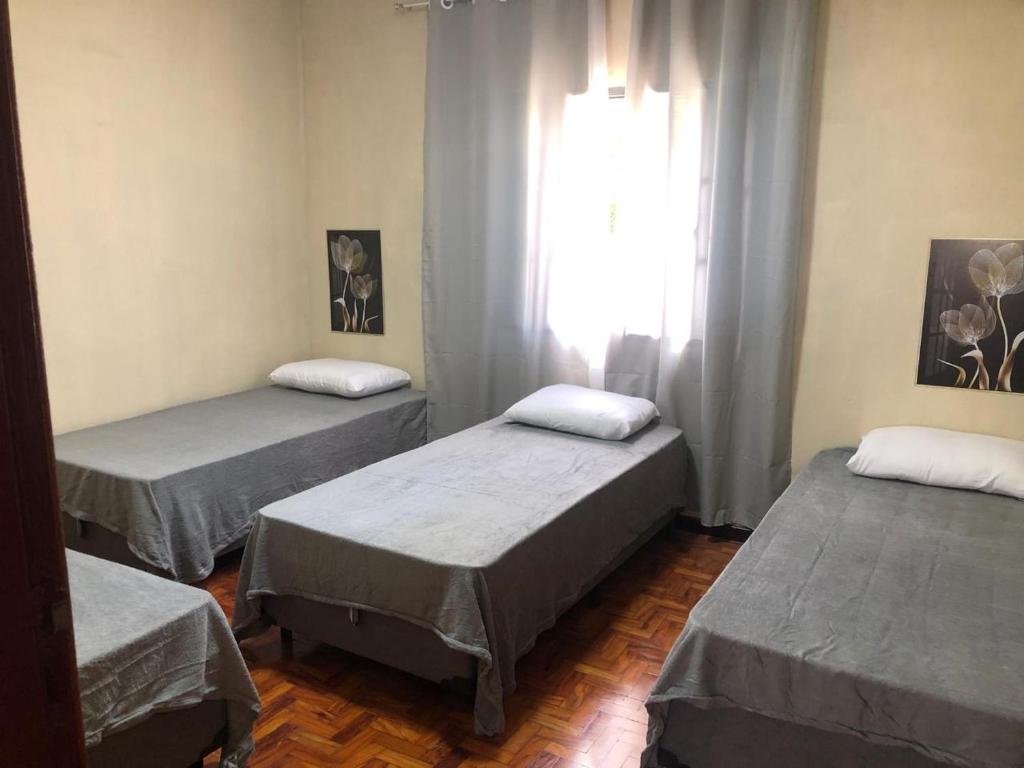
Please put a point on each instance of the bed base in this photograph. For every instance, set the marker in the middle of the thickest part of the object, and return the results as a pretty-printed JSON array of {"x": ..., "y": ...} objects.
[
  {"x": 735, "y": 738},
  {"x": 384, "y": 639},
  {"x": 93, "y": 539},
  {"x": 398, "y": 643},
  {"x": 178, "y": 738}
]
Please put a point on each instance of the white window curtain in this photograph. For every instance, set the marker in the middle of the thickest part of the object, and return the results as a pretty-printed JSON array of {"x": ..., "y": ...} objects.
[{"x": 689, "y": 301}]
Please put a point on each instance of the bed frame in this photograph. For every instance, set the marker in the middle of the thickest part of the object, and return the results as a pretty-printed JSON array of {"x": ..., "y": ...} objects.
[
  {"x": 177, "y": 738},
  {"x": 735, "y": 737},
  {"x": 401, "y": 644},
  {"x": 384, "y": 639},
  {"x": 93, "y": 539}
]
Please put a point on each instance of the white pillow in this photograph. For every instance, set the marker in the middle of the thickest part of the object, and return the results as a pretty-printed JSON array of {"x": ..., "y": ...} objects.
[
  {"x": 348, "y": 378},
  {"x": 942, "y": 457},
  {"x": 584, "y": 411}
]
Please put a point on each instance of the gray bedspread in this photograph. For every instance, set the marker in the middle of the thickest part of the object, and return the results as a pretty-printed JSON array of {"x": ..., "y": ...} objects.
[
  {"x": 147, "y": 645},
  {"x": 484, "y": 537},
  {"x": 886, "y": 610},
  {"x": 183, "y": 484}
]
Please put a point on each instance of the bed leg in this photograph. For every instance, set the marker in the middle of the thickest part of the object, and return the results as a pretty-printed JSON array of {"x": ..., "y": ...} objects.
[{"x": 286, "y": 641}]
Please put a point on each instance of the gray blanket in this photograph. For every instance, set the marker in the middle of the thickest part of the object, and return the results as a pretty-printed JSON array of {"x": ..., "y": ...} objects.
[
  {"x": 890, "y": 611},
  {"x": 183, "y": 484},
  {"x": 484, "y": 537},
  {"x": 146, "y": 645}
]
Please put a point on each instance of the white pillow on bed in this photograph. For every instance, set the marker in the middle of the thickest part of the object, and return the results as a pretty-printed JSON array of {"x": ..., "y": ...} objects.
[
  {"x": 942, "y": 457},
  {"x": 583, "y": 411},
  {"x": 348, "y": 378}
]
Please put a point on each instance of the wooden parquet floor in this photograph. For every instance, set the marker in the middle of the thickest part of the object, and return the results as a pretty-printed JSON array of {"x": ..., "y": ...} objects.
[{"x": 580, "y": 696}]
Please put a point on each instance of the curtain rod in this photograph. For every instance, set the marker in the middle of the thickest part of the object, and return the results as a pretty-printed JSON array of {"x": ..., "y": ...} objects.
[{"x": 401, "y": 5}]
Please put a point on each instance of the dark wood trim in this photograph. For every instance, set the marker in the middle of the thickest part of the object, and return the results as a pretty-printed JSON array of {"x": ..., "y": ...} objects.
[
  {"x": 41, "y": 720},
  {"x": 728, "y": 532}
]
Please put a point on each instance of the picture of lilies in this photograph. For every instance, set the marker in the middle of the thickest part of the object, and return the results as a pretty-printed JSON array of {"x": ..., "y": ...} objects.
[
  {"x": 974, "y": 316},
  {"x": 354, "y": 273}
]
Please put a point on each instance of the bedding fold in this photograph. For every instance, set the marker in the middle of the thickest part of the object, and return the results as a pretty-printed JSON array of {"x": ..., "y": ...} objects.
[{"x": 484, "y": 537}]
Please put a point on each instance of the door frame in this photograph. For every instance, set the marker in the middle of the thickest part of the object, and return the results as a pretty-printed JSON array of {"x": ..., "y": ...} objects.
[{"x": 40, "y": 715}]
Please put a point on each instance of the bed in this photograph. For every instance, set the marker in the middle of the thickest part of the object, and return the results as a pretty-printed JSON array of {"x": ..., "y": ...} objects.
[
  {"x": 169, "y": 491},
  {"x": 865, "y": 622},
  {"x": 161, "y": 680},
  {"x": 449, "y": 560}
]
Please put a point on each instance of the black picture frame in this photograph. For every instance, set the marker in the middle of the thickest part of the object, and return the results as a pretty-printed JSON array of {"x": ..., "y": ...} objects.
[
  {"x": 356, "y": 279},
  {"x": 972, "y": 334}
]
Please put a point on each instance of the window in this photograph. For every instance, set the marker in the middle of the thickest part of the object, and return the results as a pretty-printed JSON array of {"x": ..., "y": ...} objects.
[{"x": 617, "y": 155}]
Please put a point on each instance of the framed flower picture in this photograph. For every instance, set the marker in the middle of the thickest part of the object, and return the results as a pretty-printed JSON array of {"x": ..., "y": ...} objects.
[
  {"x": 355, "y": 275},
  {"x": 973, "y": 327}
]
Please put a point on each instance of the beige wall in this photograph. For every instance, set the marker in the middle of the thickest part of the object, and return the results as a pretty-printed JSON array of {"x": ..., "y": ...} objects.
[
  {"x": 180, "y": 240},
  {"x": 184, "y": 160},
  {"x": 364, "y": 68},
  {"x": 921, "y": 135},
  {"x": 163, "y": 156}
]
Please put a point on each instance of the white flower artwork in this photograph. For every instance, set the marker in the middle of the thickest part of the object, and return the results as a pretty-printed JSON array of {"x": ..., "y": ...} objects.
[
  {"x": 356, "y": 281},
  {"x": 974, "y": 316}
]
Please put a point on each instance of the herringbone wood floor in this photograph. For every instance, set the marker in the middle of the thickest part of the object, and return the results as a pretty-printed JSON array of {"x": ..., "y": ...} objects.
[{"x": 580, "y": 690}]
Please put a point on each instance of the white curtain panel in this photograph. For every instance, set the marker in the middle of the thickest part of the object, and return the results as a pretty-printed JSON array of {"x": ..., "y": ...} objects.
[{"x": 689, "y": 300}]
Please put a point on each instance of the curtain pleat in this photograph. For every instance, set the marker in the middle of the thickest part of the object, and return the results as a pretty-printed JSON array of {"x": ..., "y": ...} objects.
[{"x": 728, "y": 381}]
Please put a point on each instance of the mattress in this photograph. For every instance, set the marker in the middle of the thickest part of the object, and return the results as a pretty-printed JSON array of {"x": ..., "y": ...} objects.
[
  {"x": 885, "y": 611},
  {"x": 147, "y": 646},
  {"x": 483, "y": 537},
  {"x": 182, "y": 485}
]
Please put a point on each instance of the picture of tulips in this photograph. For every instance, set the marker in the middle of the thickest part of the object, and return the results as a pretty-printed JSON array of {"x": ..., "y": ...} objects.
[
  {"x": 355, "y": 277},
  {"x": 974, "y": 316}
]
